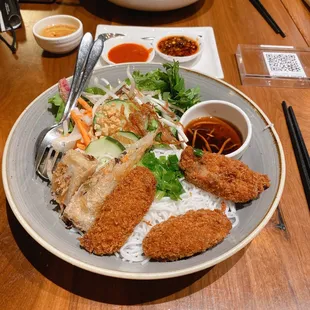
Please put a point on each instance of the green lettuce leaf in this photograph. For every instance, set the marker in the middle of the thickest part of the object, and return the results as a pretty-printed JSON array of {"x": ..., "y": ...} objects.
[
  {"x": 171, "y": 85},
  {"x": 95, "y": 91},
  {"x": 57, "y": 107}
]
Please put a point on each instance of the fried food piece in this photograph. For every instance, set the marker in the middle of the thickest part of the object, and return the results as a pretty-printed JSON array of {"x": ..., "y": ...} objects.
[
  {"x": 185, "y": 235},
  {"x": 122, "y": 211},
  {"x": 85, "y": 205},
  {"x": 73, "y": 170},
  {"x": 144, "y": 115},
  {"x": 222, "y": 176}
]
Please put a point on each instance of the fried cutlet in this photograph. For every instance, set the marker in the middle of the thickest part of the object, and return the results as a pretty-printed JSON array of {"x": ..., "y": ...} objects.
[
  {"x": 121, "y": 212},
  {"x": 185, "y": 235},
  {"x": 222, "y": 176},
  {"x": 85, "y": 206}
]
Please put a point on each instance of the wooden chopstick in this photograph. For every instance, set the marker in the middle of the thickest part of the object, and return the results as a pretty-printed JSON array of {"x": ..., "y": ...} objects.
[
  {"x": 299, "y": 149},
  {"x": 268, "y": 18}
]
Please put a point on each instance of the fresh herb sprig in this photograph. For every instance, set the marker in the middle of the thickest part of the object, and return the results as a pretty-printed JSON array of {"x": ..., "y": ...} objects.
[
  {"x": 167, "y": 173},
  {"x": 171, "y": 85}
]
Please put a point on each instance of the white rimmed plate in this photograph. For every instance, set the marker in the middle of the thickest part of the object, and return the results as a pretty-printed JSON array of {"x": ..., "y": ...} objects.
[{"x": 29, "y": 197}]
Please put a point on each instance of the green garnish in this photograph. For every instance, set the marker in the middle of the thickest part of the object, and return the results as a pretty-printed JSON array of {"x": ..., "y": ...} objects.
[
  {"x": 170, "y": 84},
  {"x": 153, "y": 80},
  {"x": 152, "y": 125},
  {"x": 198, "y": 152},
  {"x": 95, "y": 91},
  {"x": 167, "y": 174},
  {"x": 57, "y": 108},
  {"x": 174, "y": 131}
]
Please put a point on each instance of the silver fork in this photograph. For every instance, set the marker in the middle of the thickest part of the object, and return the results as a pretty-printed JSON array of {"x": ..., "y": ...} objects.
[{"x": 88, "y": 55}]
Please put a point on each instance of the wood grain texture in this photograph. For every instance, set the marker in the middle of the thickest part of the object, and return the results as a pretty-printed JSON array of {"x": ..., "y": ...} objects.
[
  {"x": 299, "y": 11},
  {"x": 272, "y": 272}
]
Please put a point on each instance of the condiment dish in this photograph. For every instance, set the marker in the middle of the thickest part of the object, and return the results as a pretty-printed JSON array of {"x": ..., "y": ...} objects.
[
  {"x": 58, "y": 45},
  {"x": 178, "y": 58},
  {"x": 226, "y": 111},
  {"x": 118, "y": 41}
]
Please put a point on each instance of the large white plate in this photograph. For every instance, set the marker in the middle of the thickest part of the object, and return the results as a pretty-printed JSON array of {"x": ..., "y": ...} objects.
[
  {"x": 29, "y": 197},
  {"x": 207, "y": 63}
]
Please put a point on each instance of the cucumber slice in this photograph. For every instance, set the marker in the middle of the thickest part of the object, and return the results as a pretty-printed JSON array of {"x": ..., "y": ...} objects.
[
  {"x": 105, "y": 148},
  {"x": 126, "y": 137},
  {"x": 129, "y": 135}
]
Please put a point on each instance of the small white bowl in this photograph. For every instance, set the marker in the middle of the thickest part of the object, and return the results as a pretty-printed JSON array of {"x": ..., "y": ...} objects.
[
  {"x": 58, "y": 45},
  {"x": 226, "y": 111},
  {"x": 178, "y": 58},
  {"x": 109, "y": 44}
]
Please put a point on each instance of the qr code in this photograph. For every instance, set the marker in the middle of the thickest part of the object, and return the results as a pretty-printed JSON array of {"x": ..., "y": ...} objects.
[{"x": 284, "y": 64}]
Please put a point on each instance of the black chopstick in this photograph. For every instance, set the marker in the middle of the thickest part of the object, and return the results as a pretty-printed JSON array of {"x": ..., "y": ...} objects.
[
  {"x": 299, "y": 149},
  {"x": 268, "y": 18},
  {"x": 300, "y": 139}
]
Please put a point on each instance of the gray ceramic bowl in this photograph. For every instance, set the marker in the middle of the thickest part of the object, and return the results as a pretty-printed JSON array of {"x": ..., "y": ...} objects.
[{"x": 29, "y": 197}]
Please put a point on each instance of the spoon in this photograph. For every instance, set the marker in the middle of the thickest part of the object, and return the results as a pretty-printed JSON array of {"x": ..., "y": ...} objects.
[{"x": 107, "y": 36}]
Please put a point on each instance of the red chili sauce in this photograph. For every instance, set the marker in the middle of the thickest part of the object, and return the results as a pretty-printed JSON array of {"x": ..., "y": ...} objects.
[
  {"x": 178, "y": 46},
  {"x": 129, "y": 52},
  {"x": 213, "y": 134}
]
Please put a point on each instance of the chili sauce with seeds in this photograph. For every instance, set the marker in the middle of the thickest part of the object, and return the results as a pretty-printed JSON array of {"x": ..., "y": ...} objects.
[{"x": 178, "y": 46}]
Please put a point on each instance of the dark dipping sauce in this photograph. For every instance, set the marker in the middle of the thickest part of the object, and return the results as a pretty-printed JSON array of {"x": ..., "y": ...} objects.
[
  {"x": 213, "y": 134},
  {"x": 129, "y": 52},
  {"x": 178, "y": 46}
]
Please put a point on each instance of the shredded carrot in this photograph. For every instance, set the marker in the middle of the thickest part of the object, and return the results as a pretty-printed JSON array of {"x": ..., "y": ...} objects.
[
  {"x": 210, "y": 134},
  {"x": 215, "y": 146},
  {"x": 89, "y": 113},
  {"x": 124, "y": 158},
  {"x": 223, "y": 146},
  {"x": 194, "y": 138},
  {"x": 205, "y": 123},
  {"x": 232, "y": 146},
  {"x": 84, "y": 104},
  {"x": 86, "y": 127},
  {"x": 81, "y": 146},
  {"x": 81, "y": 127},
  {"x": 205, "y": 141}
]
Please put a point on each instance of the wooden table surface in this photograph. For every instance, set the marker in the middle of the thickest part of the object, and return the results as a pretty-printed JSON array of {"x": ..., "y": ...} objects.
[{"x": 272, "y": 272}]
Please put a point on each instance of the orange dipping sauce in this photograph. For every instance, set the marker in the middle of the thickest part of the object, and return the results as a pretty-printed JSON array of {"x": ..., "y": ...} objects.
[{"x": 129, "y": 52}]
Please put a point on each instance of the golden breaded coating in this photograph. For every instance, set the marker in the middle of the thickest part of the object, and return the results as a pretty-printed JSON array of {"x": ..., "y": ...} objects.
[
  {"x": 185, "y": 235},
  {"x": 85, "y": 205},
  {"x": 121, "y": 212},
  {"x": 222, "y": 176}
]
